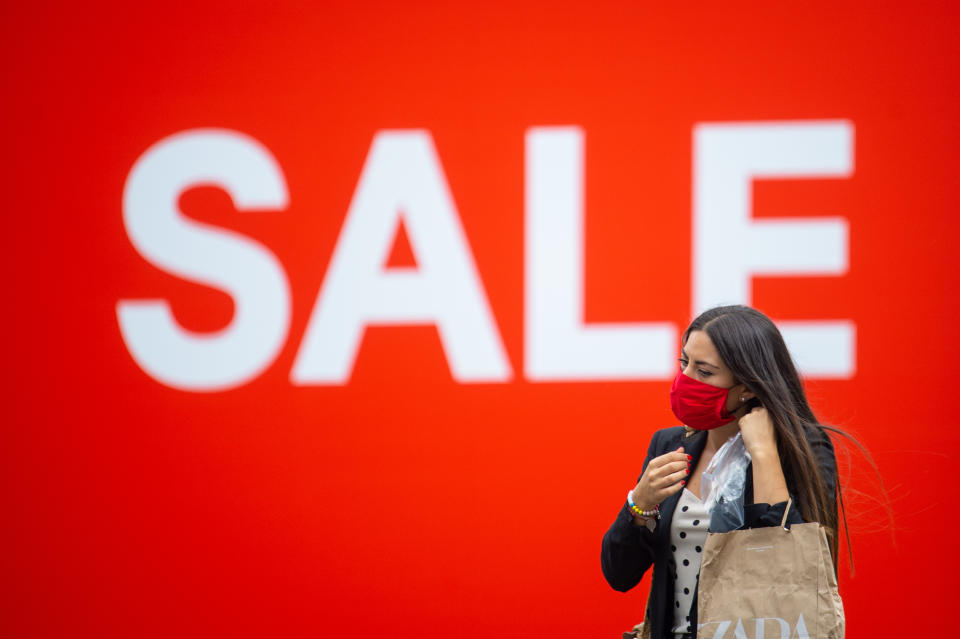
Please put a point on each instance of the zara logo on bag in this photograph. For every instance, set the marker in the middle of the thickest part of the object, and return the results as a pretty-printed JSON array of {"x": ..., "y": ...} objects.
[{"x": 761, "y": 624}]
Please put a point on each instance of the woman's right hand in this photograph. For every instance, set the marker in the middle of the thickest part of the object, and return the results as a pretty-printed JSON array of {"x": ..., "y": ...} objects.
[{"x": 664, "y": 476}]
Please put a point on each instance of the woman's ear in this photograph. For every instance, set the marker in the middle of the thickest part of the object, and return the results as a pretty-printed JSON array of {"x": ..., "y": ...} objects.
[{"x": 743, "y": 394}]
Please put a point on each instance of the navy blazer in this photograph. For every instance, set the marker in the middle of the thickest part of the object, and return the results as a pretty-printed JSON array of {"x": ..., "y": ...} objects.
[{"x": 630, "y": 550}]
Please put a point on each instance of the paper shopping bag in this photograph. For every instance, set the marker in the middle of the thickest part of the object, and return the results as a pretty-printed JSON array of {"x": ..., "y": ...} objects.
[
  {"x": 640, "y": 631},
  {"x": 769, "y": 583}
]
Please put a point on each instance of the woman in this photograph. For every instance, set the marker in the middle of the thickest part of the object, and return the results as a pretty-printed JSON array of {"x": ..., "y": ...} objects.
[{"x": 735, "y": 374}]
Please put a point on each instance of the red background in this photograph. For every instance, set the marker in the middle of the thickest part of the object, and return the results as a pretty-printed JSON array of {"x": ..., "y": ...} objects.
[{"x": 405, "y": 504}]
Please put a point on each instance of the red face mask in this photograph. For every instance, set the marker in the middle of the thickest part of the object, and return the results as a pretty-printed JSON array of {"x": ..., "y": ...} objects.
[{"x": 699, "y": 405}]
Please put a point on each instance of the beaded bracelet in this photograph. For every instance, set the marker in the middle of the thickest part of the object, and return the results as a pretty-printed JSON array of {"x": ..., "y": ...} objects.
[{"x": 643, "y": 514}]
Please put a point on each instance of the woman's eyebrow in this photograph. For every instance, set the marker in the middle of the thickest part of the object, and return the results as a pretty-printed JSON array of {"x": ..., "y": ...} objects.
[{"x": 698, "y": 361}]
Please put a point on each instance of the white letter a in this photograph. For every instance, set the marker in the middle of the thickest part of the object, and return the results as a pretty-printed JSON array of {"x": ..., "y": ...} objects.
[{"x": 401, "y": 180}]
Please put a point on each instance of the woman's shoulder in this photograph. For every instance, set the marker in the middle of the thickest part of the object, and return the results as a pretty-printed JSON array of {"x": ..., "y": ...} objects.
[
  {"x": 821, "y": 445},
  {"x": 664, "y": 437},
  {"x": 817, "y": 435}
]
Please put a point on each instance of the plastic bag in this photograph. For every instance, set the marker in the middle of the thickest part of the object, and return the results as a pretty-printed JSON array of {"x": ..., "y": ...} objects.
[{"x": 722, "y": 485}]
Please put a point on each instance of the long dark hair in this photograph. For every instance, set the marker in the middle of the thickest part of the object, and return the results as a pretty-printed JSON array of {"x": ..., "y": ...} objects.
[{"x": 752, "y": 347}]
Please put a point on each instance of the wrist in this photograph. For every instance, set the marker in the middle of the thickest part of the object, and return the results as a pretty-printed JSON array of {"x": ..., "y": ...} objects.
[
  {"x": 633, "y": 500},
  {"x": 641, "y": 512},
  {"x": 761, "y": 454}
]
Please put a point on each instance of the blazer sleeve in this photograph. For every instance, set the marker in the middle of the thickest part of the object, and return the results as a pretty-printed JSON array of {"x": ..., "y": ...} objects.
[
  {"x": 761, "y": 515},
  {"x": 627, "y": 551}
]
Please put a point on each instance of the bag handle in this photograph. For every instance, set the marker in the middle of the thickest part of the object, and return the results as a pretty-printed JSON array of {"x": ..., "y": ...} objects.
[{"x": 783, "y": 522}]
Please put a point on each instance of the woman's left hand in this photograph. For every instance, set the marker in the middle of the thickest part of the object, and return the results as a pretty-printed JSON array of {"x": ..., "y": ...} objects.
[{"x": 756, "y": 428}]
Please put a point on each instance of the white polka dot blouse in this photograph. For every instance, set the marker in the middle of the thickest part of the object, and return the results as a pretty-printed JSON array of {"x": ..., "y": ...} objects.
[{"x": 688, "y": 532}]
